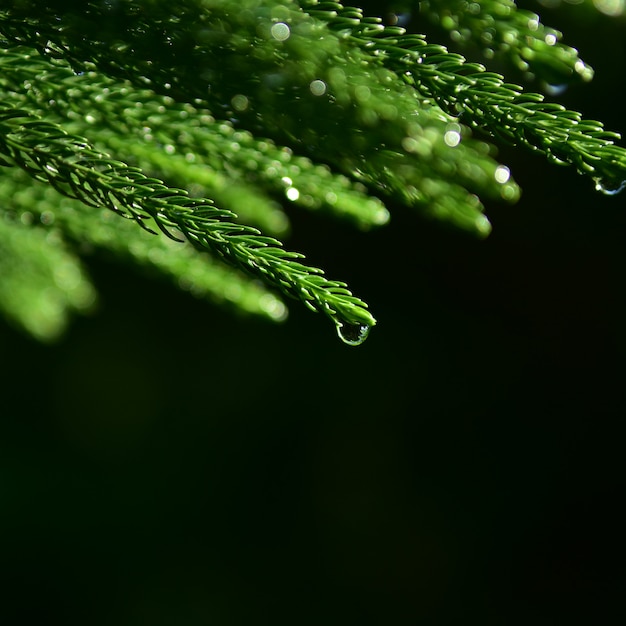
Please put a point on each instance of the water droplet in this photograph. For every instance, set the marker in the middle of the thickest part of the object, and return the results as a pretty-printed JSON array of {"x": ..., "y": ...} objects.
[
  {"x": 280, "y": 31},
  {"x": 452, "y": 137},
  {"x": 554, "y": 90},
  {"x": 550, "y": 39},
  {"x": 240, "y": 102},
  {"x": 398, "y": 19},
  {"x": 533, "y": 23},
  {"x": 609, "y": 188},
  {"x": 502, "y": 174},
  {"x": 353, "y": 334},
  {"x": 583, "y": 70},
  {"x": 292, "y": 194},
  {"x": 318, "y": 87}
]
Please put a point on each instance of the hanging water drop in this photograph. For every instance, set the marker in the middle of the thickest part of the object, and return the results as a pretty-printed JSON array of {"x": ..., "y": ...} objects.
[
  {"x": 554, "y": 90},
  {"x": 609, "y": 188},
  {"x": 353, "y": 334}
]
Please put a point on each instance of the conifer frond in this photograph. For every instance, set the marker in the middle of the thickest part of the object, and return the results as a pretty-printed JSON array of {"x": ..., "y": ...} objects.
[
  {"x": 186, "y": 145},
  {"x": 39, "y": 206},
  {"x": 254, "y": 105},
  {"x": 500, "y": 28},
  {"x": 72, "y": 167},
  {"x": 327, "y": 101},
  {"x": 483, "y": 100}
]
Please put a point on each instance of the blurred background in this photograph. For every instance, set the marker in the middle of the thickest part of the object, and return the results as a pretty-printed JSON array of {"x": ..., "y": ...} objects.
[{"x": 166, "y": 463}]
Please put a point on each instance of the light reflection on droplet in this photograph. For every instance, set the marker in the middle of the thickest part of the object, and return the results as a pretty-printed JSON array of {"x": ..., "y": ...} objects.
[
  {"x": 583, "y": 70},
  {"x": 318, "y": 87},
  {"x": 240, "y": 102},
  {"x": 554, "y": 90},
  {"x": 550, "y": 39},
  {"x": 398, "y": 19},
  {"x": 502, "y": 174},
  {"x": 353, "y": 334},
  {"x": 452, "y": 138},
  {"x": 609, "y": 189},
  {"x": 292, "y": 194},
  {"x": 280, "y": 31}
]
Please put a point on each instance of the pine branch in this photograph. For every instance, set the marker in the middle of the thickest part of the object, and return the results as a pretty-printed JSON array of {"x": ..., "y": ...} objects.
[
  {"x": 484, "y": 101},
  {"x": 46, "y": 213},
  {"x": 231, "y": 102},
  {"x": 499, "y": 28},
  {"x": 186, "y": 145},
  {"x": 72, "y": 167},
  {"x": 370, "y": 127}
]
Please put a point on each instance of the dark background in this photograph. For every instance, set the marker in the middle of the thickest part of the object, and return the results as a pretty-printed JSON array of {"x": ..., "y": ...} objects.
[{"x": 169, "y": 464}]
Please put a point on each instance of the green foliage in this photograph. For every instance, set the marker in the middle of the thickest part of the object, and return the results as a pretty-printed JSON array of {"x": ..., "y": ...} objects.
[
  {"x": 499, "y": 28},
  {"x": 203, "y": 121}
]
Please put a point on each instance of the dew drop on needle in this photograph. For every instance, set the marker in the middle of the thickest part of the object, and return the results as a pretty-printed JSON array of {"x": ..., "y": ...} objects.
[
  {"x": 353, "y": 334},
  {"x": 609, "y": 188}
]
